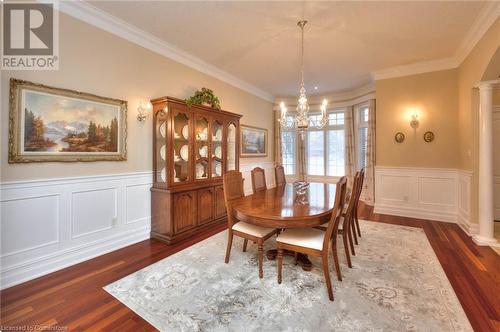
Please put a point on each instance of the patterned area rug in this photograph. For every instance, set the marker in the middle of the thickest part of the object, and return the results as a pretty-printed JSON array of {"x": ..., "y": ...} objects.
[{"x": 396, "y": 284}]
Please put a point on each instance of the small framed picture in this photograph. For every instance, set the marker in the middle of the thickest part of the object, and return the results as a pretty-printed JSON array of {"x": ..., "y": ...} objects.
[
  {"x": 253, "y": 142},
  {"x": 429, "y": 136},
  {"x": 53, "y": 124},
  {"x": 399, "y": 137}
]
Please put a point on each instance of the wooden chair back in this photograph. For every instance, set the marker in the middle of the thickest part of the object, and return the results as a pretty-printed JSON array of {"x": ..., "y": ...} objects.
[
  {"x": 333, "y": 224},
  {"x": 233, "y": 189},
  {"x": 353, "y": 200},
  {"x": 258, "y": 180},
  {"x": 361, "y": 180},
  {"x": 279, "y": 172}
]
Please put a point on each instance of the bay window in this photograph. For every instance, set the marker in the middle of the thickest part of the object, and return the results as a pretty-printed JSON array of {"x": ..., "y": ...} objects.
[{"x": 325, "y": 148}]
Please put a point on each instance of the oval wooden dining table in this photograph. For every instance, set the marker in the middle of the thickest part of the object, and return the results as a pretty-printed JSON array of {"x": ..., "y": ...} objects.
[{"x": 282, "y": 207}]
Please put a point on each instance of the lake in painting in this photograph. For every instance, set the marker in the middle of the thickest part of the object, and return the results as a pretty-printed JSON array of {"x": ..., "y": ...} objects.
[{"x": 59, "y": 124}]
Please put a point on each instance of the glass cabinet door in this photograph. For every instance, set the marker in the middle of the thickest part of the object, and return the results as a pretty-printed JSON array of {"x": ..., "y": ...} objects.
[
  {"x": 161, "y": 147},
  {"x": 231, "y": 147},
  {"x": 201, "y": 148},
  {"x": 217, "y": 148},
  {"x": 182, "y": 151}
]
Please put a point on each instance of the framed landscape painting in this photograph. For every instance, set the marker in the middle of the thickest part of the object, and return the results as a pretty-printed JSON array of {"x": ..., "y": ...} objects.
[
  {"x": 52, "y": 124},
  {"x": 253, "y": 142}
]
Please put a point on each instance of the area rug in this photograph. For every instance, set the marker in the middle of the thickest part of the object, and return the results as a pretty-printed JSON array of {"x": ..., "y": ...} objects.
[{"x": 396, "y": 284}]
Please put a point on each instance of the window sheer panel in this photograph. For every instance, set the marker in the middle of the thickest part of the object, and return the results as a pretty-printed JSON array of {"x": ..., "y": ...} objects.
[
  {"x": 336, "y": 153},
  {"x": 315, "y": 152},
  {"x": 289, "y": 151}
]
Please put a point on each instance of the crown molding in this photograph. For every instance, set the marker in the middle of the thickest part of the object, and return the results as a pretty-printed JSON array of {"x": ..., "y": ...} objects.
[
  {"x": 415, "y": 68},
  {"x": 100, "y": 19},
  {"x": 483, "y": 22}
]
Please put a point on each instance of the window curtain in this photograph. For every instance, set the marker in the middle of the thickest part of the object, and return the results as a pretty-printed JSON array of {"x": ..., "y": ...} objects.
[
  {"x": 349, "y": 159},
  {"x": 278, "y": 155},
  {"x": 301, "y": 156},
  {"x": 369, "y": 182}
]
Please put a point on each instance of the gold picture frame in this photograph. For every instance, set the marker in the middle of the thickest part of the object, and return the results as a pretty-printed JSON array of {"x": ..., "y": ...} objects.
[
  {"x": 253, "y": 141},
  {"x": 60, "y": 125}
]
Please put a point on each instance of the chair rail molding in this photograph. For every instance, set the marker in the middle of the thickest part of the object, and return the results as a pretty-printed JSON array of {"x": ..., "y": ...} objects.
[
  {"x": 440, "y": 194},
  {"x": 74, "y": 219}
]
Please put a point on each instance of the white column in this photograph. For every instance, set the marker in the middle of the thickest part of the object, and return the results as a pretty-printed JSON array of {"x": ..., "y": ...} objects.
[{"x": 486, "y": 216}]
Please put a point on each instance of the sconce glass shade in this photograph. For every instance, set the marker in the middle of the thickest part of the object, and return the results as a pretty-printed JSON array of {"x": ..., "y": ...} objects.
[
  {"x": 143, "y": 110},
  {"x": 414, "y": 121}
]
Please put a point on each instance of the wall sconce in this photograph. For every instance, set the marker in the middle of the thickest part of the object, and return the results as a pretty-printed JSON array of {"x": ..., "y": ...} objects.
[
  {"x": 143, "y": 110},
  {"x": 414, "y": 120}
]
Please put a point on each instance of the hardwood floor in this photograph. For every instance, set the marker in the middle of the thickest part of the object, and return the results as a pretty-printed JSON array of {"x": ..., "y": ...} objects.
[{"x": 73, "y": 299}]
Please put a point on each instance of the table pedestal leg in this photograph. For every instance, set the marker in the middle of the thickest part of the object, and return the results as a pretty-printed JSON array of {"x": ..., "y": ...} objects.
[{"x": 302, "y": 259}]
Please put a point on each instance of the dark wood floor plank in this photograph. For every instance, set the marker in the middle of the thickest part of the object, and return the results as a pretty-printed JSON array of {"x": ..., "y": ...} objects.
[{"x": 74, "y": 297}]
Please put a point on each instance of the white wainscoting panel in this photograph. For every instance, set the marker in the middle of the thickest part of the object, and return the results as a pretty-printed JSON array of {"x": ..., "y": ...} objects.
[
  {"x": 93, "y": 211},
  {"x": 138, "y": 205},
  {"x": 426, "y": 193},
  {"x": 40, "y": 216},
  {"x": 464, "y": 201},
  {"x": 51, "y": 224}
]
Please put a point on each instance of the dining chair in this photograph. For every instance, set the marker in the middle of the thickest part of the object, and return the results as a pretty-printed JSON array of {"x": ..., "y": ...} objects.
[
  {"x": 258, "y": 180},
  {"x": 345, "y": 225},
  {"x": 361, "y": 180},
  {"x": 279, "y": 172},
  {"x": 357, "y": 189},
  {"x": 233, "y": 189},
  {"x": 356, "y": 193},
  {"x": 315, "y": 242}
]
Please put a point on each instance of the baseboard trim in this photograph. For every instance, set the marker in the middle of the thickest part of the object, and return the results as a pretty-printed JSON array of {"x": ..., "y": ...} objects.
[
  {"x": 38, "y": 267},
  {"x": 469, "y": 228},
  {"x": 485, "y": 241},
  {"x": 414, "y": 213}
]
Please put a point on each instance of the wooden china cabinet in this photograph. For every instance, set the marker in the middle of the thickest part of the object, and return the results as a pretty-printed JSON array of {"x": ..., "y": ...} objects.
[{"x": 192, "y": 148}]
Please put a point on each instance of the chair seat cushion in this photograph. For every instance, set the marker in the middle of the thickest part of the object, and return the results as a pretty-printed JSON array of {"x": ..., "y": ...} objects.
[
  {"x": 253, "y": 230},
  {"x": 303, "y": 237}
]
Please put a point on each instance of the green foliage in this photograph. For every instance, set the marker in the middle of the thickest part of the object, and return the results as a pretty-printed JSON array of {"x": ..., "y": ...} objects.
[
  {"x": 33, "y": 128},
  {"x": 92, "y": 132},
  {"x": 204, "y": 96},
  {"x": 113, "y": 132},
  {"x": 29, "y": 119}
]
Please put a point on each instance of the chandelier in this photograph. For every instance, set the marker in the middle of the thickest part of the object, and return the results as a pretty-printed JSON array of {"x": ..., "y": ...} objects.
[{"x": 301, "y": 121}]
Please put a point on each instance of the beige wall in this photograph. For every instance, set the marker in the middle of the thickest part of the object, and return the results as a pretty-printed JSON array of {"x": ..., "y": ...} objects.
[
  {"x": 496, "y": 97},
  {"x": 97, "y": 62},
  {"x": 470, "y": 72},
  {"x": 435, "y": 97}
]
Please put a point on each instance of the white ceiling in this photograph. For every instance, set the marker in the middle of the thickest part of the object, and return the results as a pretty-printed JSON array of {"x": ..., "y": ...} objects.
[{"x": 259, "y": 42}]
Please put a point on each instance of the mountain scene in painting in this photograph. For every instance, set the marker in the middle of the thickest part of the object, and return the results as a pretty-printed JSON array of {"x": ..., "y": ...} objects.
[{"x": 61, "y": 124}]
